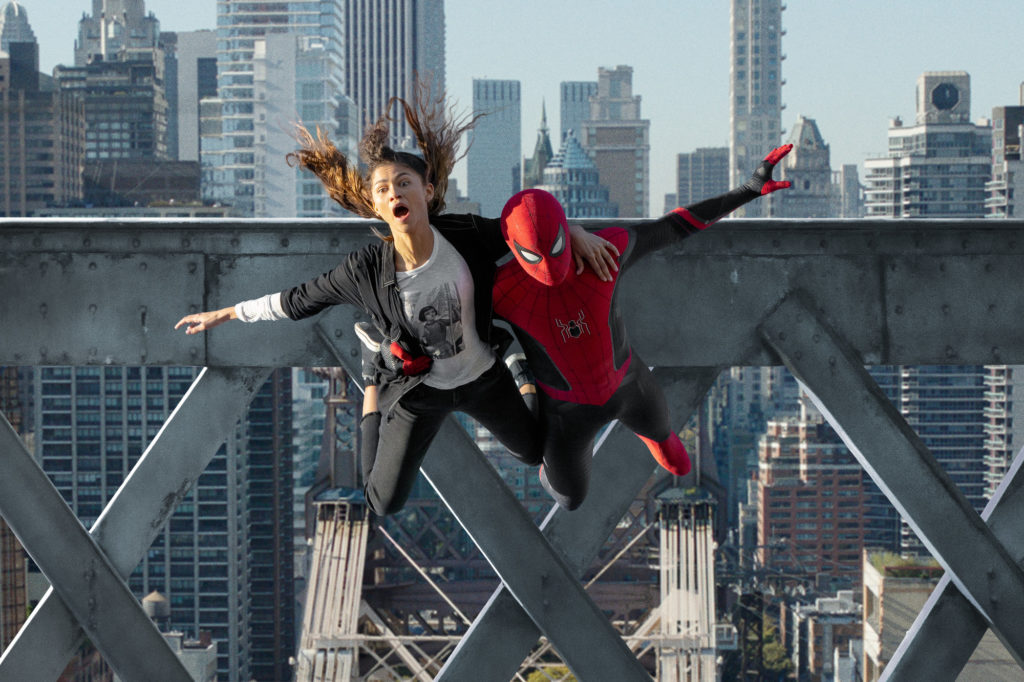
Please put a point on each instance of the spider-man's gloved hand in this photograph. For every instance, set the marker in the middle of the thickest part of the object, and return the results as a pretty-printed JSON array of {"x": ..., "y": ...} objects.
[
  {"x": 761, "y": 181},
  {"x": 704, "y": 213}
]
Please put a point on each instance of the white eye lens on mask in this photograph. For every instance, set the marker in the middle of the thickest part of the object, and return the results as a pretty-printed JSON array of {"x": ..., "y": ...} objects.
[
  {"x": 528, "y": 256},
  {"x": 559, "y": 246}
]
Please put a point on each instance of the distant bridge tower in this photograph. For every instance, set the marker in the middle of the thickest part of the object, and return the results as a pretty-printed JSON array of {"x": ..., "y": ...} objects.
[
  {"x": 687, "y": 652},
  {"x": 327, "y": 651},
  {"x": 338, "y": 526}
]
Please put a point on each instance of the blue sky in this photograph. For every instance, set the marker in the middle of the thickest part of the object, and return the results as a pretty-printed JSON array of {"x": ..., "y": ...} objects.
[{"x": 851, "y": 64}]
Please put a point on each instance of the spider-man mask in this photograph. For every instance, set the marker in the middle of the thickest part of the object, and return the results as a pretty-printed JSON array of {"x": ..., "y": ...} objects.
[{"x": 534, "y": 226}]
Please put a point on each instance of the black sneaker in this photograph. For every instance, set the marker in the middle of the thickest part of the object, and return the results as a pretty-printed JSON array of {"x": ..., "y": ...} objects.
[
  {"x": 370, "y": 340},
  {"x": 520, "y": 370}
]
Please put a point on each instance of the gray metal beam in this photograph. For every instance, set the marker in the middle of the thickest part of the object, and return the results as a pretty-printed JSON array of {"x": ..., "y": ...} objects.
[
  {"x": 913, "y": 292},
  {"x": 502, "y": 634},
  {"x": 540, "y": 581},
  {"x": 87, "y": 584},
  {"x": 901, "y": 465},
  {"x": 133, "y": 518},
  {"x": 948, "y": 617}
]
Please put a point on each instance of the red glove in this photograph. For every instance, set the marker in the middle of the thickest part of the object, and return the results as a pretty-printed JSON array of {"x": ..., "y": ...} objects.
[
  {"x": 764, "y": 173},
  {"x": 410, "y": 366}
]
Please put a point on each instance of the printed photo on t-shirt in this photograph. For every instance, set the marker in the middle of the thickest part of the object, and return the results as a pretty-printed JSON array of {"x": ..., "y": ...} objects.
[{"x": 438, "y": 321}]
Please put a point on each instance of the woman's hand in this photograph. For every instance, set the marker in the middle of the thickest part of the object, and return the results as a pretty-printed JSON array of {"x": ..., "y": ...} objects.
[
  {"x": 600, "y": 254},
  {"x": 200, "y": 322}
]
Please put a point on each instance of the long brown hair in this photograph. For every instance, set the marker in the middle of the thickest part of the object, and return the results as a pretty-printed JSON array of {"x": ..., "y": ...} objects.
[{"x": 438, "y": 130}]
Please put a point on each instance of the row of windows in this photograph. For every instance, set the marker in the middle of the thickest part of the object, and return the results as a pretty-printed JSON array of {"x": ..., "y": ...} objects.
[{"x": 87, "y": 371}]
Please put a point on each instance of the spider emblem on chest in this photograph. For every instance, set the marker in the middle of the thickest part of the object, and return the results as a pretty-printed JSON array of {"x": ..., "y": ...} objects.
[{"x": 573, "y": 329}]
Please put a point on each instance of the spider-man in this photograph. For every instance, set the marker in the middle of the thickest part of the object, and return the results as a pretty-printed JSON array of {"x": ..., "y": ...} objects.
[{"x": 572, "y": 332}]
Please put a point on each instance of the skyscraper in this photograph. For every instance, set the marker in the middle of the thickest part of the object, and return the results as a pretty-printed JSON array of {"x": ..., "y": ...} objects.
[
  {"x": 939, "y": 167},
  {"x": 618, "y": 140},
  {"x": 196, "y": 69},
  {"x": 847, "y": 193},
  {"x": 495, "y": 153},
  {"x": 119, "y": 72},
  {"x": 1002, "y": 411},
  {"x": 808, "y": 167},
  {"x": 14, "y": 26},
  {"x": 388, "y": 46},
  {"x": 292, "y": 77},
  {"x": 810, "y": 499},
  {"x": 755, "y": 90},
  {"x": 231, "y": 172},
  {"x": 1006, "y": 189},
  {"x": 701, "y": 174},
  {"x": 533, "y": 167},
  {"x": 224, "y": 559},
  {"x": 575, "y": 106},
  {"x": 572, "y": 178},
  {"x": 269, "y": 527},
  {"x": 116, "y": 28},
  {"x": 946, "y": 407},
  {"x": 42, "y": 133},
  {"x": 13, "y": 596}
]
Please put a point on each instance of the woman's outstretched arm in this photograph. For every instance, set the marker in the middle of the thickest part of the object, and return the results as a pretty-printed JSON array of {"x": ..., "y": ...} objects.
[
  {"x": 258, "y": 309},
  {"x": 200, "y": 322}
]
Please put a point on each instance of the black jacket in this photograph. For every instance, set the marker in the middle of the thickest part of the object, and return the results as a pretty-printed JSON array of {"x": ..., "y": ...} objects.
[{"x": 366, "y": 279}]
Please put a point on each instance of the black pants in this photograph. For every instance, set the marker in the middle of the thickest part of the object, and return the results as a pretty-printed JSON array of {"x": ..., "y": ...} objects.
[
  {"x": 391, "y": 452},
  {"x": 570, "y": 428}
]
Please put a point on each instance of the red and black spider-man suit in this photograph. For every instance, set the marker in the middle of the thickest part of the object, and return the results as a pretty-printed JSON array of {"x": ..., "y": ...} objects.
[{"x": 572, "y": 332}]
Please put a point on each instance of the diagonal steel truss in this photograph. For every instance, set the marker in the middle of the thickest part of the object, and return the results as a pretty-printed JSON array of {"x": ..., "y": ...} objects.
[
  {"x": 984, "y": 584},
  {"x": 96, "y": 602},
  {"x": 923, "y": 293}
]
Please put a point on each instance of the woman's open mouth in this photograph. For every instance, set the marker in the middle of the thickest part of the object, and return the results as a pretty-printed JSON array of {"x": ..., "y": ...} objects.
[{"x": 401, "y": 211}]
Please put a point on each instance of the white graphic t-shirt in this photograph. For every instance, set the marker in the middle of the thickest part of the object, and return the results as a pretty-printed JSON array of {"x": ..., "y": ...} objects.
[{"x": 438, "y": 301}]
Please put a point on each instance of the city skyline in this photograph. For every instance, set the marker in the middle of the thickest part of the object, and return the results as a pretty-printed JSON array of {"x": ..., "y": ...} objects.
[{"x": 872, "y": 65}]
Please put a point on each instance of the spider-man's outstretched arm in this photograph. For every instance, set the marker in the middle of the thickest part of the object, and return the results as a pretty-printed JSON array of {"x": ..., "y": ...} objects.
[{"x": 689, "y": 220}]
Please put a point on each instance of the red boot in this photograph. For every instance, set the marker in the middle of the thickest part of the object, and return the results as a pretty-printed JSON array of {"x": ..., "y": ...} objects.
[{"x": 669, "y": 453}]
